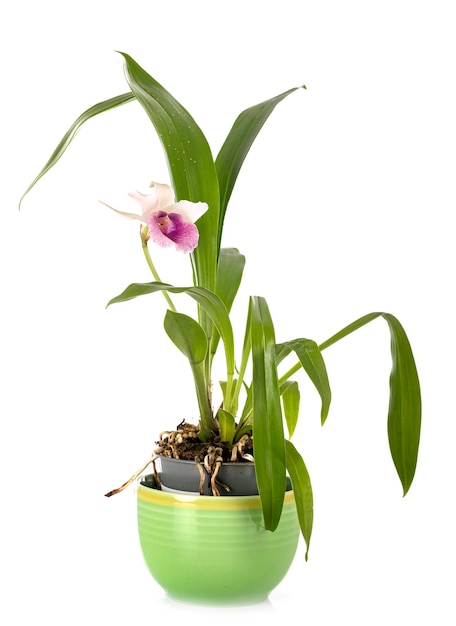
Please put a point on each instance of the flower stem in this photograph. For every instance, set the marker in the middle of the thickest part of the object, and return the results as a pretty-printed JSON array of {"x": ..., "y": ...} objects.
[{"x": 155, "y": 273}]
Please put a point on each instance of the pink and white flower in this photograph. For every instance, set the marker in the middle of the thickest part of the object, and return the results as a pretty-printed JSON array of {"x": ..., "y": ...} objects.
[{"x": 170, "y": 222}]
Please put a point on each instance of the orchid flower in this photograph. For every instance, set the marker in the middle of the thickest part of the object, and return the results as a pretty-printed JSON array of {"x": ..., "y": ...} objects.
[{"x": 169, "y": 222}]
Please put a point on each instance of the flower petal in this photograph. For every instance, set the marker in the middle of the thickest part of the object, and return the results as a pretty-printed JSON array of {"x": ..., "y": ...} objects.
[
  {"x": 132, "y": 216},
  {"x": 190, "y": 211},
  {"x": 160, "y": 197},
  {"x": 165, "y": 195},
  {"x": 166, "y": 229},
  {"x": 156, "y": 233},
  {"x": 185, "y": 234},
  {"x": 147, "y": 203}
]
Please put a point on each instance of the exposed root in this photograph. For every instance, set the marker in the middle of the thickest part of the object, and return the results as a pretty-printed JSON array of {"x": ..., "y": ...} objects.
[
  {"x": 134, "y": 477},
  {"x": 212, "y": 464},
  {"x": 215, "y": 482},
  {"x": 202, "y": 476},
  {"x": 239, "y": 448}
]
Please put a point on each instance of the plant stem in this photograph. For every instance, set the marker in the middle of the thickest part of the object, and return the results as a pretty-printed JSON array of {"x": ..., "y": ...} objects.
[
  {"x": 207, "y": 424},
  {"x": 155, "y": 273}
]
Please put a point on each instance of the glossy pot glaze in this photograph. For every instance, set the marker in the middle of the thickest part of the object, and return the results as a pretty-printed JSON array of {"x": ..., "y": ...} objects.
[{"x": 212, "y": 550}]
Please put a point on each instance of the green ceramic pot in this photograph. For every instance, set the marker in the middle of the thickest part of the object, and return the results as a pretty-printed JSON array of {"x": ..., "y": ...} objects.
[{"x": 212, "y": 550}]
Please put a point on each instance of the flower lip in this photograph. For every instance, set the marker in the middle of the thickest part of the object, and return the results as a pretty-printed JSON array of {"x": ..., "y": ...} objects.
[{"x": 166, "y": 229}]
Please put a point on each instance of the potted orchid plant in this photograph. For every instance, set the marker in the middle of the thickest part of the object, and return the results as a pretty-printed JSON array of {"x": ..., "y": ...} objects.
[{"x": 251, "y": 428}]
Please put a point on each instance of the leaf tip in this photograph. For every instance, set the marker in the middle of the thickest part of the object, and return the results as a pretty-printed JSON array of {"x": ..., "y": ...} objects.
[{"x": 405, "y": 490}]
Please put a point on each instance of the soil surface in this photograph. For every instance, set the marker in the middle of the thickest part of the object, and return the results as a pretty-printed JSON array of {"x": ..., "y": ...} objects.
[{"x": 183, "y": 443}]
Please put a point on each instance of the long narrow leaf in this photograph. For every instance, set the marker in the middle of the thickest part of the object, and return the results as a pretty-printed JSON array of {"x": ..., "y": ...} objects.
[
  {"x": 189, "y": 159},
  {"x": 246, "y": 416},
  {"x": 311, "y": 359},
  {"x": 237, "y": 145},
  {"x": 347, "y": 330},
  {"x": 302, "y": 489},
  {"x": 268, "y": 435},
  {"x": 101, "y": 107},
  {"x": 404, "y": 414}
]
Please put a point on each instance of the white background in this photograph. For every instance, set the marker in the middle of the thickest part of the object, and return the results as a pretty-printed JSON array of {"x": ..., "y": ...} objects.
[{"x": 344, "y": 207}]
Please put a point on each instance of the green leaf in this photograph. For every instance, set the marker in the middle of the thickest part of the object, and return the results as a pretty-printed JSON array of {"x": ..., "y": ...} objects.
[
  {"x": 190, "y": 162},
  {"x": 101, "y": 107},
  {"x": 290, "y": 400},
  {"x": 245, "y": 356},
  {"x": 404, "y": 414},
  {"x": 311, "y": 359},
  {"x": 229, "y": 275},
  {"x": 227, "y": 426},
  {"x": 362, "y": 321},
  {"x": 302, "y": 489},
  {"x": 246, "y": 420},
  {"x": 187, "y": 335},
  {"x": 191, "y": 340},
  {"x": 237, "y": 145},
  {"x": 211, "y": 303},
  {"x": 232, "y": 401},
  {"x": 268, "y": 435}
]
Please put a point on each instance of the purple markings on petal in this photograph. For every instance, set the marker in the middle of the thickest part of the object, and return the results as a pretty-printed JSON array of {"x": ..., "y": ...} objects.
[{"x": 166, "y": 229}]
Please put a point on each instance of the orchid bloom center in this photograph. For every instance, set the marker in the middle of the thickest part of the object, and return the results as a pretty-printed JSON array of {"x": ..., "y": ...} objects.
[{"x": 163, "y": 222}]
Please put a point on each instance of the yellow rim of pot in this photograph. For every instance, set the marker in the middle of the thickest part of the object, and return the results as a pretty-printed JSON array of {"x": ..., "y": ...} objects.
[{"x": 202, "y": 503}]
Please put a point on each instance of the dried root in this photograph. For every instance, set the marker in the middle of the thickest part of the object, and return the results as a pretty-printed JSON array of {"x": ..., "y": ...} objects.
[
  {"x": 238, "y": 449},
  {"x": 212, "y": 464},
  {"x": 202, "y": 476},
  {"x": 134, "y": 477}
]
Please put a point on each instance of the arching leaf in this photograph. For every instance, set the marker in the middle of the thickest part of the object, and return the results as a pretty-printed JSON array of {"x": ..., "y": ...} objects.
[
  {"x": 302, "y": 489},
  {"x": 404, "y": 414},
  {"x": 237, "y": 145},
  {"x": 68, "y": 137},
  {"x": 311, "y": 359}
]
